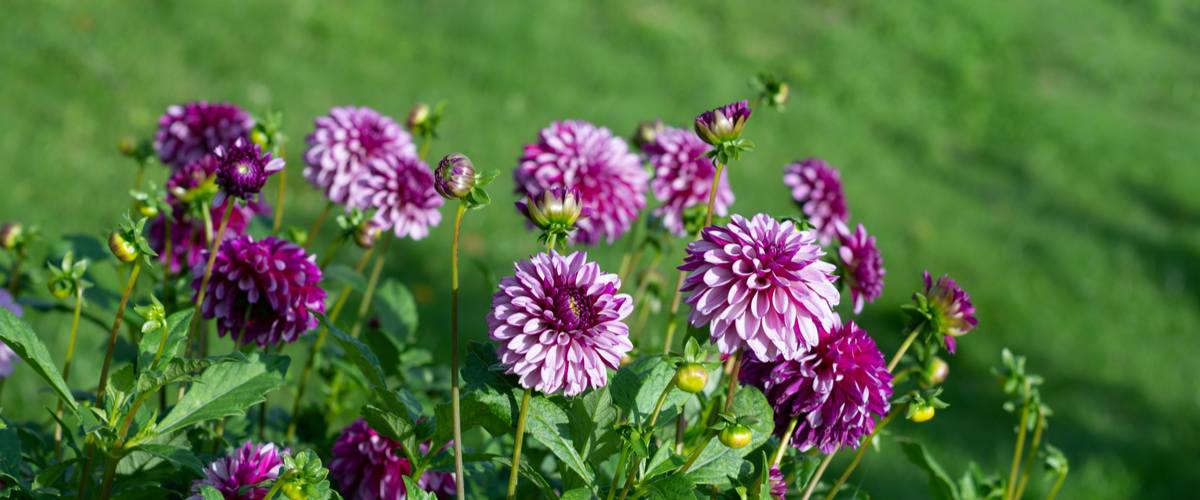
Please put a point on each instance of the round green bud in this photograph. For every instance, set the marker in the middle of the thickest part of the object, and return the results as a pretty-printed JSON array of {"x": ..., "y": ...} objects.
[
  {"x": 59, "y": 288},
  {"x": 147, "y": 210},
  {"x": 294, "y": 492},
  {"x": 735, "y": 436},
  {"x": 10, "y": 232},
  {"x": 935, "y": 373},
  {"x": 367, "y": 234},
  {"x": 418, "y": 117},
  {"x": 923, "y": 413},
  {"x": 122, "y": 248},
  {"x": 691, "y": 378}
]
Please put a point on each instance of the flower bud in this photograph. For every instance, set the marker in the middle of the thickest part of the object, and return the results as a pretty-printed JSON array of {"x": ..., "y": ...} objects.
[
  {"x": 723, "y": 124},
  {"x": 259, "y": 137},
  {"x": 735, "y": 436},
  {"x": 691, "y": 378},
  {"x": 455, "y": 176},
  {"x": 128, "y": 147},
  {"x": 10, "y": 233},
  {"x": 294, "y": 492},
  {"x": 554, "y": 209},
  {"x": 59, "y": 288},
  {"x": 418, "y": 117},
  {"x": 935, "y": 373},
  {"x": 922, "y": 413},
  {"x": 647, "y": 132},
  {"x": 122, "y": 248},
  {"x": 367, "y": 234},
  {"x": 147, "y": 210},
  {"x": 779, "y": 95}
]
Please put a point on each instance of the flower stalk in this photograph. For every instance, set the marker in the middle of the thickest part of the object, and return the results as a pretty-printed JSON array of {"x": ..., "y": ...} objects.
[
  {"x": 858, "y": 456},
  {"x": 904, "y": 347},
  {"x": 786, "y": 439},
  {"x": 312, "y": 233},
  {"x": 1016, "y": 463},
  {"x": 454, "y": 391},
  {"x": 212, "y": 260},
  {"x": 1033, "y": 447},
  {"x": 516, "y": 460},
  {"x": 67, "y": 371},
  {"x": 282, "y": 193}
]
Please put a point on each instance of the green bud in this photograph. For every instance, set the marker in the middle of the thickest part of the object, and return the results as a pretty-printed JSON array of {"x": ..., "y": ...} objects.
[
  {"x": 735, "y": 436},
  {"x": 691, "y": 378},
  {"x": 10, "y": 234},
  {"x": 122, "y": 248}
]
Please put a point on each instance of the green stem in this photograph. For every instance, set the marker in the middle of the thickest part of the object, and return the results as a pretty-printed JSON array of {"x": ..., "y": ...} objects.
[
  {"x": 1033, "y": 447},
  {"x": 112, "y": 339},
  {"x": 364, "y": 307},
  {"x": 1057, "y": 485},
  {"x": 278, "y": 484},
  {"x": 312, "y": 233},
  {"x": 861, "y": 449},
  {"x": 733, "y": 379},
  {"x": 282, "y": 192},
  {"x": 14, "y": 281},
  {"x": 212, "y": 259},
  {"x": 712, "y": 194},
  {"x": 424, "y": 148},
  {"x": 785, "y": 440},
  {"x": 516, "y": 460},
  {"x": 459, "y": 476},
  {"x": 333, "y": 248},
  {"x": 696, "y": 453},
  {"x": 628, "y": 482},
  {"x": 661, "y": 399},
  {"x": 110, "y": 472},
  {"x": 1016, "y": 463},
  {"x": 623, "y": 271},
  {"x": 168, "y": 290},
  {"x": 904, "y": 347},
  {"x": 66, "y": 373},
  {"x": 620, "y": 471},
  {"x": 812, "y": 483}
]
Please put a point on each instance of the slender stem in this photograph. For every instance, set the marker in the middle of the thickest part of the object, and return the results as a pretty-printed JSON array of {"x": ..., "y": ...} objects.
[
  {"x": 673, "y": 322},
  {"x": 66, "y": 373},
  {"x": 550, "y": 243},
  {"x": 516, "y": 460},
  {"x": 696, "y": 453},
  {"x": 337, "y": 242},
  {"x": 278, "y": 484},
  {"x": 785, "y": 440},
  {"x": 282, "y": 192},
  {"x": 212, "y": 259},
  {"x": 1033, "y": 447},
  {"x": 1057, "y": 485},
  {"x": 680, "y": 425},
  {"x": 112, "y": 339},
  {"x": 168, "y": 290},
  {"x": 904, "y": 347},
  {"x": 733, "y": 379},
  {"x": 312, "y": 233},
  {"x": 137, "y": 183},
  {"x": 14, "y": 281},
  {"x": 861, "y": 449},
  {"x": 364, "y": 307},
  {"x": 623, "y": 271},
  {"x": 712, "y": 194},
  {"x": 110, "y": 472},
  {"x": 424, "y": 148},
  {"x": 661, "y": 399},
  {"x": 85, "y": 472},
  {"x": 628, "y": 482},
  {"x": 454, "y": 395},
  {"x": 262, "y": 412},
  {"x": 206, "y": 215},
  {"x": 812, "y": 483},
  {"x": 620, "y": 471},
  {"x": 1016, "y": 463}
]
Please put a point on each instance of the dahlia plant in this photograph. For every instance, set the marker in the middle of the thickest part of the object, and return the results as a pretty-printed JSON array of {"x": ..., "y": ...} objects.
[{"x": 568, "y": 399}]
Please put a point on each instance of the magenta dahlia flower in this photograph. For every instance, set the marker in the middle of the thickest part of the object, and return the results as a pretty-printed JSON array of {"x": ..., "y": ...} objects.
[
  {"x": 261, "y": 291},
  {"x": 683, "y": 177},
  {"x": 778, "y": 484},
  {"x": 760, "y": 286},
  {"x": 242, "y": 171},
  {"x": 401, "y": 190},
  {"x": 188, "y": 132},
  {"x": 817, "y": 188},
  {"x": 368, "y": 466},
  {"x": 953, "y": 313},
  {"x": 862, "y": 263},
  {"x": 558, "y": 323},
  {"x": 838, "y": 388},
  {"x": 8, "y": 358},
  {"x": 244, "y": 466},
  {"x": 576, "y": 154},
  {"x": 724, "y": 123},
  {"x": 343, "y": 145}
]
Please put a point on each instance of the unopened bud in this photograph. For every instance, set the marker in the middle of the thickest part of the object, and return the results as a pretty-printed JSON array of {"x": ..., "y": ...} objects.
[
  {"x": 10, "y": 234},
  {"x": 455, "y": 176},
  {"x": 779, "y": 95},
  {"x": 367, "y": 234},
  {"x": 921, "y": 413},
  {"x": 647, "y": 132},
  {"x": 59, "y": 288},
  {"x": 691, "y": 378},
  {"x": 128, "y": 147},
  {"x": 122, "y": 248},
  {"x": 935, "y": 373},
  {"x": 418, "y": 117}
]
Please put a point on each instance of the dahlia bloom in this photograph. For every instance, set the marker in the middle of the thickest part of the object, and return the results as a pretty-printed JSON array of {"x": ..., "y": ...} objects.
[
  {"x": 724, "y": 123},
  {"x": 760, "y": 286},
  {"x": 188, "y": 132},
  {"x": 261, "y": 291},
  {"x": 683, "y": 177},
  {"x": 246, "y": 465},
  {"x": 558, "y": 323},
  {"x": 817, "y": 188},
  {"x": 401, "y": 189},
  {"x": 835, "y": 387},
  {"x": 954, "y": 315},
  {"x": 343, "y": 145},
  {"x": 366, "y": 466},
  {"x": 576, "y": 154},
  {"x": 554, "y": 211},
  {"x": 778, "y": 485},
  {"x": 8, "y": 358},
  {"x": 242, "y": 171},
  {"x": 862, "y": 263}
]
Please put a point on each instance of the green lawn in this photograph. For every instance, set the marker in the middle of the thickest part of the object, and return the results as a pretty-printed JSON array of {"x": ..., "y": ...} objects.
[{"x": 1042, "y": 153}]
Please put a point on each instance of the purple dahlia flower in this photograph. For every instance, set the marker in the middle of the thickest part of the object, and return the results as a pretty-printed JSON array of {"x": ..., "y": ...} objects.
[
  {"x": 683, "y": 177},
  {"x": 250, "y": 464},
  {"x": 401, "y": 190},
  {"x": 835, "y": 387},
  {"x": 760, "y": 286},
  {"x": 954, "y": 315},
  {"x": 724, "y": 123},
  {"x": 575, "y": 154},
  {"x": 261, "y": 291},
  {"x": 8, "y": 358},
  {"x": 778, "y": 484},
  {"x": 862, "y": 263},
  {"x": 817, "y": 188},
  {"x": 558, "y": 323},
  {"x": 242, "y": 171},
  {"x": 368, "y": 466},
  {"x": 191, "y": 131},
  {"x": 343, "y": 145}
]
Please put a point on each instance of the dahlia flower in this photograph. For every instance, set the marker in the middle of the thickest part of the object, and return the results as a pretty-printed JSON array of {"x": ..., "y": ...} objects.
[
  {"x": 723, "y": 124},
  {"x": 862, "y": 263},
  {"x": 401, "y": 189},
  {"x": 576, "y": 154},
  {"x": 261, "y": 291},
  {"x": 760, "y": 286},
  {"x": 554, "y": 211},
  {"x": 835, "y": 387},
  {"x": 558, "y": 323},
  {"x": 242, "y": 171},
  {"x": 8, "y": 358},
  {"x": 817, "y": 188},
  {"x": 455, "y": 176},
  {"x": 366, "y": 466},
  {"x": 683, "y": 177},
  {"x": 188, "y": 132},
  {"x": 244, "y": 466},
  {"x": 343, "y": 145},
  {"x": 953, "y": 313},
  {"x": 778, "y": 484}
]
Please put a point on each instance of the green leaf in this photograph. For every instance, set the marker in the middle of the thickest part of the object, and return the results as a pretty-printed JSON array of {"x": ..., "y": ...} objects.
[
  {"x": 397, "y": 310},
  {"x": 153, "y": 492},
  {"x": 393, "y": 427},
  {"x": 414, "y": 491},
  {"x": 577, "y": 494},
  {"x": 671, "y": 487},
  {"x": 177, "y": 324},
  {"x": 227, "y": 389},
  {"x": 552, "y": 427},
  {"x": 940, "y": 484},
  {"x": 764, "y": 479},
  {"x": 210, "y": 493},
  {"x": 499, "y": 394},
  {"x": 179, "y": 368},
  {"x": 528, "y": 473},
  {"x": 359, "y": 353},
  {"x": 719, "y": 462},
  {"x": 806, "y": 467},
  {"x": 23, "y": 341},
  {"x": 178, "y": 457},
  {"x": 471, "y": 412},
  {"x": 48, "y": 476},
  {"x": 345, "y": 275},
  {"x": 664, "y": 460},
  {"x": 10, "y": 451},
  {"x": 638, "y": 385},
  {"x": 592, "y": 418}
]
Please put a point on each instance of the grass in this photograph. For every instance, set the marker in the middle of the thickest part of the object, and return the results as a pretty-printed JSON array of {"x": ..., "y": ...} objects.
[{"x": 1042, "y": 153}]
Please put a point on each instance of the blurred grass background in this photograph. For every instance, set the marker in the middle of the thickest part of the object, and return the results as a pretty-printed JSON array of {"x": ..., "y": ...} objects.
[{"x": 1042, "y": 153}]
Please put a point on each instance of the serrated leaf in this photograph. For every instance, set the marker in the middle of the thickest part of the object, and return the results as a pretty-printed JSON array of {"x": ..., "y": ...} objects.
[
  {"x": 414, "y": 492},
  {"x": 209, "y": 493},
  {"x": 393, "y": 427},
  {"x": 139, "y": 462},
  {"x": 48, "y": 476},
  {"x": 577, "y": 494},
  {"x": 638, "y": 385},
  {"x": 177, "y": 326},
  {"x": 227, "y": 389},
  {"x": 551, "y": 426},
  {"x": 472, "y": 413},
  {"x": 498, "y": 393},
  {"x": 592, "y": 418},
  {"x": 671, "y": 487},
  {"x": 397, "y": 310},
  {"x": 940, "y": 485},
  {"x": 664, "y": 459},
  {"x": 359, "y": 354},
  {"x": 178, "y": 457},
  {"x": 528, "y": 473},
  {"x": 10, "y": 451},
  {"x": 178, "y": 368},
  {"x": 25, "y": 343},
  {"x": 345, "y": 275}
]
